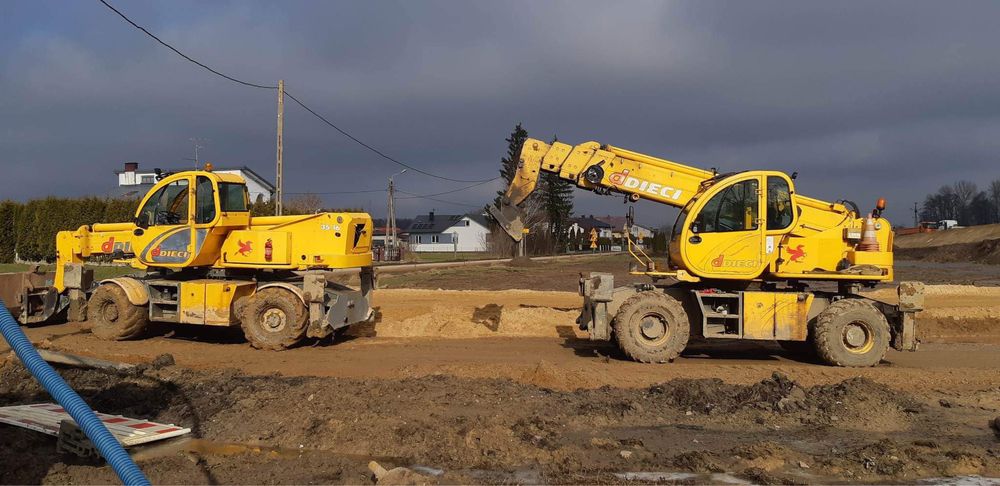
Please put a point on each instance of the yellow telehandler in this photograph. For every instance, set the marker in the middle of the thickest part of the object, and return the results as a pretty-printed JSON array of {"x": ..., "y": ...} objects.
[
  {"x": 742, "y": 256},
  {"x": 206, "y": 261}
]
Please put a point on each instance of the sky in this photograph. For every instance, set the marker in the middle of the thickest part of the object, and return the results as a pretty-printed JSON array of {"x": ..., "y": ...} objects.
[{"x": 863, "y": 99}]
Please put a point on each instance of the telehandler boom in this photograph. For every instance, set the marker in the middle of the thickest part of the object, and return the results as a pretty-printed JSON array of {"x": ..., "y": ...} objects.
[
  {"x": 742, "y": 256},
  {"x": 206, "y": 261}
]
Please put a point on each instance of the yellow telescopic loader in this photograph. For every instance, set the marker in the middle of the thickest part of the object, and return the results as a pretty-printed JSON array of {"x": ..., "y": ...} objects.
[
  {"x": 743, "y": 254},
  {"x": 206, "y": 261}
]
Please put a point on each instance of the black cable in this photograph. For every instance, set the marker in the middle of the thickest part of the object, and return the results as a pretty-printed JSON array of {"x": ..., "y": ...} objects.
[
  {"x": 443, "y": 200},
  {"x": 296, "y": 100},
  {"x": 335, "y": 192},
  {"x": 375, "y": 150},
  {"x": 179, "y": 53},
  {"x": 452, "y": 191}
]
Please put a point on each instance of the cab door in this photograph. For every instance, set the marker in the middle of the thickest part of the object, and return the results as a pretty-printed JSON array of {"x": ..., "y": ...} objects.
[
  {"x": 724, "y": 234},
  {"x": 165, "y": 220}
]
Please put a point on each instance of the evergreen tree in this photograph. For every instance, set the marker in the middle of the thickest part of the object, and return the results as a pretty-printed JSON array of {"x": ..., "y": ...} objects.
[
  {"x": 557, "y": 201},
  {"x": 508, "y": 164}
]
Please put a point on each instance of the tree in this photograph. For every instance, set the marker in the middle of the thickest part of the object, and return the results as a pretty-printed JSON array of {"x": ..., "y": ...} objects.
[
  {"x": 557, "y": 201},
  {"x": 508, "y": 163},
  {"x": 260, "y": 207},
  {"x": 304, "y": 204},
  {"x": 980, "y": 210},
  {"x": 994, "y": 194}
]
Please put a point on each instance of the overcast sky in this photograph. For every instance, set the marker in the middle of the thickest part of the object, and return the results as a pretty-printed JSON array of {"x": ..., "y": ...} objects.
[{"x": 863, "y": 99}]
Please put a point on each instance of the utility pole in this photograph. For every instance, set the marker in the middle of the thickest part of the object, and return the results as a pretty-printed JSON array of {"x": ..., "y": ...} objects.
[
  {"x": 281, "y": 127},
  {"x": 916, "y": 216},
  {"x": 391, "y": 220}
]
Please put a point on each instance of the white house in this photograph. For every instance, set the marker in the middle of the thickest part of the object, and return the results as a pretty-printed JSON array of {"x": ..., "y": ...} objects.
[
  {"x": 448, "y": 232},
  {"x": 132, "y": 181},
  {"x": 581, "y": 227}
]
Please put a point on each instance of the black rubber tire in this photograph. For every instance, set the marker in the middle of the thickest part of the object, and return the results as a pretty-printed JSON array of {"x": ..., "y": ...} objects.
[
  {"x": 663, "y": 310},
  {"x": 113, "y": 317},
  {"x": 263, "y": 308},
  {"x": 832, "y": 329}
]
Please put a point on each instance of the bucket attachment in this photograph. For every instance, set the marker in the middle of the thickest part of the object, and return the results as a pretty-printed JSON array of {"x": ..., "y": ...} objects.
[{"x": 508, "y": 216}]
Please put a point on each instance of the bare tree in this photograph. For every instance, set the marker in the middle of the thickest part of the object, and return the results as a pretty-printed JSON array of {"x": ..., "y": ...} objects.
[
  {"x": 994, "y": 194},
  {"x": 304, "y": 204}
]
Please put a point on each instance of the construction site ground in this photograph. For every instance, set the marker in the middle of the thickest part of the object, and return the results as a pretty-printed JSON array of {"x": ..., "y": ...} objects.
[{"x": 478, "y": 374}]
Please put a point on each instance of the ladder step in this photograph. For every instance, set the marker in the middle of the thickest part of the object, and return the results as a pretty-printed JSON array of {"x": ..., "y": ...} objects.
[
  {"x": 719, "y": 294},
  {"x": 721, "y": 315}
]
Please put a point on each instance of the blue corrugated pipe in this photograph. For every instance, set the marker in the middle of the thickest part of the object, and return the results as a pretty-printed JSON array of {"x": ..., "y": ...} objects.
[{"x": 106, "y": 444}]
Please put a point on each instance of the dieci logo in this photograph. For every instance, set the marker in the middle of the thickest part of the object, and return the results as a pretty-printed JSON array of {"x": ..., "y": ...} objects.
[
  {"x": 161, "y": 253},
  {"x": 720, "y": 261},
  {"x": 638, "y": 185},
  {"x": 111, "y": 246}
]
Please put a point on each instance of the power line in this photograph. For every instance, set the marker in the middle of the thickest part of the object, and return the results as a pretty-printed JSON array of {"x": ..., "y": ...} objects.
[
  {"x": 375, "y": 150},
  {"x": 452, "y": 191},
  {"x": 296, "y": 100},
  {"x": 336, "y": 192},
  {"x": 445, "y": 201},
  {"x": 179, "y": 53},
  {"x": 413, "y": 196}
]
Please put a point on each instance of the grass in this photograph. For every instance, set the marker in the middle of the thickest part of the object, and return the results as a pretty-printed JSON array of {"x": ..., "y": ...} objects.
[
  {"x": 447, "y": 256},
  {"x": 101, "y": 272}
]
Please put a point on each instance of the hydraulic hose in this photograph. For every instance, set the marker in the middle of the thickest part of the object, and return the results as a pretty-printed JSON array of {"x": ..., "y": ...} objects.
[{"x": 106, "y": 444}]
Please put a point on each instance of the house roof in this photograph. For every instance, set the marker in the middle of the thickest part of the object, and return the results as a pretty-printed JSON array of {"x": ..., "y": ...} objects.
[
  {"x": 424, "y": 223},
  {"x": 588, "y": 222},
  {"x": 248, "y": 172}
]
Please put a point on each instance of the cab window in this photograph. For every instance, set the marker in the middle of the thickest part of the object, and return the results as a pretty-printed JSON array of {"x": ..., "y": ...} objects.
[
  {"x": 779, "y": 203},
  {"x": 169, "y": 205},
  {"x": 233, "y": 196},
  {"x": 733, "y": 209},
  {"x": 204, "y": 201}
]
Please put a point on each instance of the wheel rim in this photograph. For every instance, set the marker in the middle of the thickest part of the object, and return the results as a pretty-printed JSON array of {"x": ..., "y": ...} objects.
[
  {"x": 858, "y": 337},
  {"x": 653, "y": 329},
  {"x": 274, "y": 320},
  {"x": 109, "y": 312}
]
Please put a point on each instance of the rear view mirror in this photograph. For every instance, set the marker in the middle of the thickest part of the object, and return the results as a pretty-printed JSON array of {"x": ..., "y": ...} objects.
[{"x": 142, "y": 220}]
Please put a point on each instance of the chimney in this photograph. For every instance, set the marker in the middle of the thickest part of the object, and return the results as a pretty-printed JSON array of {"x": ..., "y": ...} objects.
[
  {"x": 131, "y": 166},
  {"x": 430, "y": 216}
]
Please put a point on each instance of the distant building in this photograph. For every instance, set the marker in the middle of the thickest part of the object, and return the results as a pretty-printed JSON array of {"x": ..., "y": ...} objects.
[
  {"x": 448, "y": 232},
  {"x": 581, "y": 227},
  {"x": 135, "y": 182},
  {"x": 617, "y": 224}
]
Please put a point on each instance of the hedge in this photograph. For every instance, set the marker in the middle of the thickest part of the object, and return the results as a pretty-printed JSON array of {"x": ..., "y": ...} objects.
[{"x": 28, "y": 230}]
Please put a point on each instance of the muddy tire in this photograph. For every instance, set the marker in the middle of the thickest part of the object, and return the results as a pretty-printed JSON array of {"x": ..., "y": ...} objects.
[
  {"x": 113, "y": 317},
  {"x": 652, "y": 327},
  {"x": 274, "y": 318},
  {"x": 852, "y": 333}
]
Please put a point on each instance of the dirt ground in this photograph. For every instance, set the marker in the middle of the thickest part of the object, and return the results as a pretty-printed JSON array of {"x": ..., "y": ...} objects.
[{"x": 497, "y": 386}]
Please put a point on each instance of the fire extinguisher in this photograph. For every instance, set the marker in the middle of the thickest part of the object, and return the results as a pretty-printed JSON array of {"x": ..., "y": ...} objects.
[{"x": 268, "y": 250}]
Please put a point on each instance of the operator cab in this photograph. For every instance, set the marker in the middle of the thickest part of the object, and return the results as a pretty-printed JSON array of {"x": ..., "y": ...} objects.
[
  {"x": 732, "y": 228},
  {"x": 176, "y": 219}
]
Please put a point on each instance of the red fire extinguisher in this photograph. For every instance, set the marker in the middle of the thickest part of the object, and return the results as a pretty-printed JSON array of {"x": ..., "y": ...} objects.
[{"x": 268, "y": 250}]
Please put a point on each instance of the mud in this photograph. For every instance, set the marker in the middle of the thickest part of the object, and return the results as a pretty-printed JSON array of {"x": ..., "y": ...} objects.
[
  {"x": 273, "y": 429},
  {"x": 496, "y": 385}
]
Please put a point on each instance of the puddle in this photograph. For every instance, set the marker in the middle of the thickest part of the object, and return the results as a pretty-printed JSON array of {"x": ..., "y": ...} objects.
[
  {"x": 655, "y": 477},
  {"x": 205, "y": 447},
  {"x": 208, "y": 447}
]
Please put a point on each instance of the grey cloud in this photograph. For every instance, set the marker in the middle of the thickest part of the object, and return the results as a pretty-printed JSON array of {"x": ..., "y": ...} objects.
[{"x": 864, "y": 99}]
